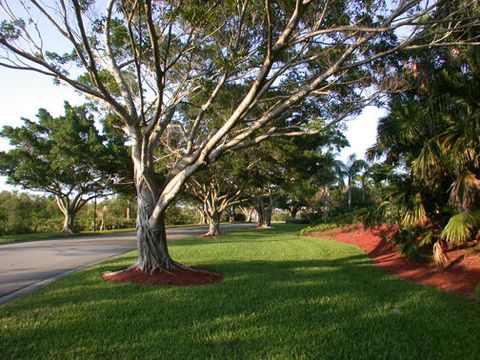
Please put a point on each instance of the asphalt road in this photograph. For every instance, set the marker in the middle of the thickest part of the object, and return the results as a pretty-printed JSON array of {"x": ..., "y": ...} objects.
[{"x": 24, "y": 266}]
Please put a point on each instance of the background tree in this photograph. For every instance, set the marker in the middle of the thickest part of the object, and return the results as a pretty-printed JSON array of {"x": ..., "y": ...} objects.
[
  {"x": 431, "y": 147},
  {"x": 350, "y": 170},
  {"x": 144, "y": 59},
  {"x": 24, "y": 213},
  {"x": 264, "y": 177},
  {"x": 216, "y": 188},
  {"x": 64, "y": 156},
  {"x": 306, "y": 166}
]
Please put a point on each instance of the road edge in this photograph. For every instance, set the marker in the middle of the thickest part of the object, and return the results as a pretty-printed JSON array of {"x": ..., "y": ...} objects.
[{"x": 32, "y": 287}]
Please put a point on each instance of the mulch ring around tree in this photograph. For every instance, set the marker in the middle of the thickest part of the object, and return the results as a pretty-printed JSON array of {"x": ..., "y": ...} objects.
[
  {"x": 181, "y": 277},
  {"x": 461, "y": 275}
]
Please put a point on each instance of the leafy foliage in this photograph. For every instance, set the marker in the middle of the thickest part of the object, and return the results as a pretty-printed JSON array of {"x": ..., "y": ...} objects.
[
  {"x": 290, "y": 67},
  {"x": 22, "y": 213},
  {"x": 66, "y": 157},
  {"x": 431, "y": 145}
]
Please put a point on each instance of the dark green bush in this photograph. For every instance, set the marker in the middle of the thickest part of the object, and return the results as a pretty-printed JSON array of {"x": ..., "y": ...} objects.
[{"x": 297, "y": 221}]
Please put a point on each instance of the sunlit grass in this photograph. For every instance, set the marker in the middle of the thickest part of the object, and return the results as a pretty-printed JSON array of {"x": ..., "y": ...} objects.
[
  {"x": 61, "y": 235},
  {"x": 284, "y": 297},
  {"x": 57, "y": 235}
]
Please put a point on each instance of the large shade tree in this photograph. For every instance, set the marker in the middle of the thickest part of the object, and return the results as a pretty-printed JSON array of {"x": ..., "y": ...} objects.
[
  {"x": 65, "y": 156},
  {"x": 144, "y": 59}
]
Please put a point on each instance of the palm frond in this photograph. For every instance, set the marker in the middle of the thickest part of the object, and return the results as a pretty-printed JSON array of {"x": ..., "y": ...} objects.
[
  {"x": 439, "y": 256},
  {"x": 465, "y": 190},
  {"x": 429, "y": 162},
  {"x": 427, "y": 239},
  {"x": 459, "y": 227},
  {"x": 416, "y": 214}
]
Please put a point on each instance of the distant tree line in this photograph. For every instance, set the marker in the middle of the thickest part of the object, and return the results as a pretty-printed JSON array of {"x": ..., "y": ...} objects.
[{"x": 22, "y": 213}]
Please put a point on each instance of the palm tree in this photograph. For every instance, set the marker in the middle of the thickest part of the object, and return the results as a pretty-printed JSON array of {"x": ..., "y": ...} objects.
[
  {"x": 349, "y": 170},
  {"x": 434, "y": 139}
]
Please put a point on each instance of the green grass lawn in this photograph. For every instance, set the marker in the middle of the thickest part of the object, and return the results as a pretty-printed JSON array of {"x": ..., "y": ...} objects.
[
  {"x": 56, "y": 235},
  {"x": 61, "y": 235},
  {"x": 284, "y": 297}
]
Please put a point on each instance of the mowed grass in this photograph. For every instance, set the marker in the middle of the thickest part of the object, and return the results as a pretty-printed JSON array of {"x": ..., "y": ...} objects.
[
  {"x": 61, "y": 235},
  {"x": 57, "y": 235},
  {"x": 284, "y": 297}
]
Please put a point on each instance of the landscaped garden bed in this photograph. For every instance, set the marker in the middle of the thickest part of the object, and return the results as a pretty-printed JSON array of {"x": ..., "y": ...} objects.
[{"x": 461, "y": 275}]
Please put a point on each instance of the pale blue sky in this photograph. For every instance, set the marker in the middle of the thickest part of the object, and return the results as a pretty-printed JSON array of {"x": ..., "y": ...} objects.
[
  {"x": 23, "y": 93},
  {"x": 362, "y": 132}
]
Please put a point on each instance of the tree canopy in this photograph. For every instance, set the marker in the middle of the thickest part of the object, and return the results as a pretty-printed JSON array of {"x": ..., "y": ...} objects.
[{"x": 65, "y": 156}]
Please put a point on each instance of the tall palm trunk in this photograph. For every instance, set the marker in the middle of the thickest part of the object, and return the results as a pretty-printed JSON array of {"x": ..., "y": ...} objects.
[
  {"x": 326, "y": 203},
  {"x": 363, "y": 189},
  {"x": 349, "y": 192}
]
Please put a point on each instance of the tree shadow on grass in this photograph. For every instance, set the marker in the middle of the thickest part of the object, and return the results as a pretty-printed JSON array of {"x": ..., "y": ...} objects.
[
  {"x": 333, "y": 308},
  {"x": 268, "y": 235}
]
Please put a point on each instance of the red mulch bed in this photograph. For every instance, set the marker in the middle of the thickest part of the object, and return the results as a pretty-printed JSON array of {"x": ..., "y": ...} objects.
[
  {"x": 193, "y": 276},
  {"x": 461, "y": 275}
]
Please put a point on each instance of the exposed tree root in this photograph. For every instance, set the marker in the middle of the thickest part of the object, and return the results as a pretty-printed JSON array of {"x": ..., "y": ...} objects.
[
  {"x": 264, "y": 227},
  {"x": 212, "y": 234},
  {"x": 183, "y": 275}
]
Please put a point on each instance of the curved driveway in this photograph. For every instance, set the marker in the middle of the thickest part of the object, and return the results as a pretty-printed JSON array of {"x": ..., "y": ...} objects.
[{"x": 25, "y": 266}]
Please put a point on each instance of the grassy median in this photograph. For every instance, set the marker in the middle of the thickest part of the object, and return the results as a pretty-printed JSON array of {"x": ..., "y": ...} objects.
[
  {"x": 57, "y": 235},
  {"x": 284, "y": 297},
  {"x": 7, "y": 239}
]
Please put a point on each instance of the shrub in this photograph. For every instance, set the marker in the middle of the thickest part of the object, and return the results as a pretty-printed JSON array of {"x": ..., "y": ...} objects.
[
  {"x": 280, "y": 216},
  {"x": 180, "y": 215},
  {"x": 240, "y": 217},
  {"x": 297, "y": 221},
  {"x": 319, "y": 228}
]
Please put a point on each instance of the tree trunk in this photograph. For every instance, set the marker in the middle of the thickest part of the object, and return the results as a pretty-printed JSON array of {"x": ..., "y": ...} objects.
[
  {"x": 69, "y": 210},
  {"x": 267, "y": 216},
  {"x": 349, "y": 193},
  {"x": 68, "y": 226},
  {"x": 363, "y": 190},
  {"x": 260, "y": 212},
  {"x": 293, "y": 213},
  {"x": 326, "y": 203},
  {"x": 248, "y": 212},
  {"x": 231, "y": 213},
  {"x": 151, "y": 242},
  {"x": 250, "y": 215},
  {"x": 264, "y": 218},
  {"x": 202, "y": 218},
  {"x": 214, "y": 224}
]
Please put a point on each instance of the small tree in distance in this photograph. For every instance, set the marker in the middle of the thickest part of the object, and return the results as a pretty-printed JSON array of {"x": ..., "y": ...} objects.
[
  {"x": 215, "y": 191},
  {"x": 64, "y": 156}
]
